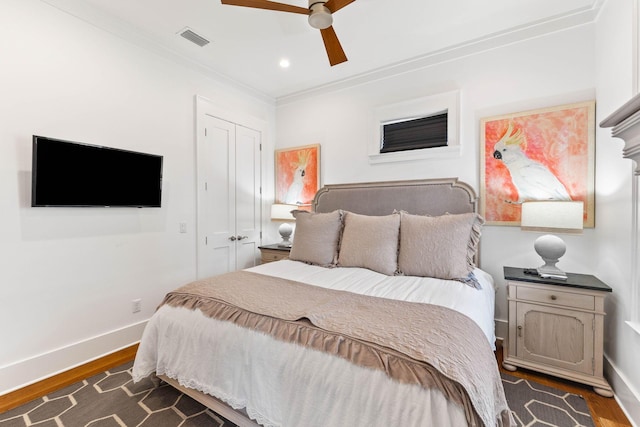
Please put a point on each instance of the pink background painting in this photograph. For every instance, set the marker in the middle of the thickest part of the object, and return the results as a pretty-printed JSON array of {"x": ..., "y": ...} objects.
[
  {"x": 560, "y": 138},
  {"x": 287, "y": 161}
]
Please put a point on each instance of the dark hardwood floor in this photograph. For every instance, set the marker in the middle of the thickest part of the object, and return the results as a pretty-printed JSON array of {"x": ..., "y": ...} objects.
[
  {"x": 59, "y": 381},
  {"x": 605, "y": 410}
]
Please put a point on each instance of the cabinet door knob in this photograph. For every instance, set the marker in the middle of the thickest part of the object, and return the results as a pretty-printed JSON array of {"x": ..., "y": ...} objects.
[
  {"x": 553, "y": 297},
  {"x": 232, "y": 238},
  {"x": 520, "y": 331}
]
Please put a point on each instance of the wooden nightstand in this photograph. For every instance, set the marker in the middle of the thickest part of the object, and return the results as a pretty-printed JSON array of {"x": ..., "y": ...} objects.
[
  {"x": 269, "y": 253},
  {"x": 556, "y": 326}
]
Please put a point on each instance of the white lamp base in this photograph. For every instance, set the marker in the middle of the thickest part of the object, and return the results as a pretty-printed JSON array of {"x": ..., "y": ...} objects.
[
  {"x": 285, "y": 231},
  {"x": 550, "y": 248}
]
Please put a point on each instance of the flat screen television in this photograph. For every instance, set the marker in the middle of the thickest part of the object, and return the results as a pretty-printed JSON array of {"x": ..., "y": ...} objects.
[{"x": 66, "y": 173}]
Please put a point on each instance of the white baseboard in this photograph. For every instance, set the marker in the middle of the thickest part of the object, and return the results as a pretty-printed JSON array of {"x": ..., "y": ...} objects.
[
  {"x": 627, "y": 397},
  {"x": 33, "y": 369}
]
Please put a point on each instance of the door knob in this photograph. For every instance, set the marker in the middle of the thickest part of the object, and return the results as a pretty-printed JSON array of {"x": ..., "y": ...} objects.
[
  {"x": 232, "y": 238},
  {"x": 242, "y": 237}
]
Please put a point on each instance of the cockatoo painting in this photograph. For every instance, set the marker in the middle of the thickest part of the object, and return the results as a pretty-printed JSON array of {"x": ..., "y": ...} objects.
[
  {"x": 294, "y": 192},
  {"x": 532, "y": 179},
  {"x": 297, "y": 177},
  {"x": 546, "y": 154}
]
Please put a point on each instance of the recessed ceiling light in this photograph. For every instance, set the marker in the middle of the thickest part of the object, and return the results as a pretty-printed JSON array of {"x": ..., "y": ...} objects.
[{"x": 284, "y": 63}]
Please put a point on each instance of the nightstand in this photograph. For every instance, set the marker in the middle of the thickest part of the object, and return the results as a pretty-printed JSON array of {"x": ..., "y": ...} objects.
[
  {"x": 556, "y": 326},
  {"x": 269, "y": 253}
]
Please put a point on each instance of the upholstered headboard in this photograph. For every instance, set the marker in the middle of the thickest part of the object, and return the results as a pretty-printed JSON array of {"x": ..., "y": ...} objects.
[{"x": 420, "y": 197}]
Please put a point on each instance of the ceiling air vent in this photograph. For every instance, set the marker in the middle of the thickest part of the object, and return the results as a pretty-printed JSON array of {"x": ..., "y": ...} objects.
[{"x": 193, "y": 37}]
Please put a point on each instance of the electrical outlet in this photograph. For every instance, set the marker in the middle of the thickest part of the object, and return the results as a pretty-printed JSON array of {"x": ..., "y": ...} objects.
[
  {"x": 183, "y": 227},
  {"x": 136, "y": 305}
]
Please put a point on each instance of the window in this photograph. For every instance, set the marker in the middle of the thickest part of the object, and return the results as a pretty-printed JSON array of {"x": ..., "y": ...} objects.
[
  {"x": 421, "y": 128},
  {"x": 415, "y": 134}
]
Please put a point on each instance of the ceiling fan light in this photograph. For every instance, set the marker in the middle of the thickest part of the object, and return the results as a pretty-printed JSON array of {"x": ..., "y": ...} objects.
[{"x": 319, "y": 16}]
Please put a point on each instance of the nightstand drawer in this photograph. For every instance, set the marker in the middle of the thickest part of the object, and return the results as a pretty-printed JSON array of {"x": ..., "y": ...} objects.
[
  {"x": 268, "y": 256},
  {"x": 270, "y": 253},
  {"x": 566, "y": 299}
]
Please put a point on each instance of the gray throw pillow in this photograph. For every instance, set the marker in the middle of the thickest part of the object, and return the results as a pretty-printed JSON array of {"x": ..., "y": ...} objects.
[
  {"x": 370, "y": 242},
  {"x": 316, "y": 237},
  {"x": 443, "y": 246}
]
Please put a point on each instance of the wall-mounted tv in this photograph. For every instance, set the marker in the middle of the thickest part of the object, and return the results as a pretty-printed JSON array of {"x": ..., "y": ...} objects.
[{"x": 66, "y": 173}]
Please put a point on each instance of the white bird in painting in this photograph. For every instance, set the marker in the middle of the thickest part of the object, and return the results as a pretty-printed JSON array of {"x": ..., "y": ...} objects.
[
  {"x": 294, "y": 191},
  {"x": 532, "y": 179}
]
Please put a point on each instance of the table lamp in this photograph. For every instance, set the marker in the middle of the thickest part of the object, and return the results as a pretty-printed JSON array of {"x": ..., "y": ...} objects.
[
  {"x": 282, "y": 212},
  {"x": 557, "y": 216}
]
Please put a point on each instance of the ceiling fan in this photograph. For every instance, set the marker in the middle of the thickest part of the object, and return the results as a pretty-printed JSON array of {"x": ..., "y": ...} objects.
[{"x": 319, "y": 13}]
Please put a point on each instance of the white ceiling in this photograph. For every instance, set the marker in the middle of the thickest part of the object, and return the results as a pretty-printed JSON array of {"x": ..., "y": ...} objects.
[{"x": 378, "y": 36}]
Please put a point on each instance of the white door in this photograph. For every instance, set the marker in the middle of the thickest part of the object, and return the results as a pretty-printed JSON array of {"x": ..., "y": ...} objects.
[
  {"x": 229, "y": 200},
  {"x": 248, "y": 197}
]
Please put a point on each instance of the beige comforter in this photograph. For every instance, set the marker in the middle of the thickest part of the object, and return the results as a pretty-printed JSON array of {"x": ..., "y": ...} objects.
[{"x": 415, "y": 343}]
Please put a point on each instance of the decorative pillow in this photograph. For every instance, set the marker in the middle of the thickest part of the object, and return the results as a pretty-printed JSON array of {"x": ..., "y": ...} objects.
[
  {"x": 370, "y": 242},
  {"x": 316, "y": 238},
  {"x": 442, "y": 246}
]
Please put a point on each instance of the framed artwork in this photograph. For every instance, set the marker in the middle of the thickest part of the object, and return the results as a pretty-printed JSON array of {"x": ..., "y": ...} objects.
[
  {"x": 297, "y": 174},
  {"x": 545, "y": 154}
]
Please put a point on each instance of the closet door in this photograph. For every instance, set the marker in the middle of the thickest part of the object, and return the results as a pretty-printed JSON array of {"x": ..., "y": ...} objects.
[
  {"x": 229, "y": 197},
  {"x": 248, "y": 197}
]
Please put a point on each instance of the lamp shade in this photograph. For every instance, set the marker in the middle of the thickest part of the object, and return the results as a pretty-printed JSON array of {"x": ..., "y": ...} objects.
[
  {"x": 552, "y": 216},
  {"x": 282, "y": 212}
]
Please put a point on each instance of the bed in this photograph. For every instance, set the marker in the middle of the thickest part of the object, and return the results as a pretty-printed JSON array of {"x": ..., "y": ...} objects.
[{"x": 354, "y": 329}]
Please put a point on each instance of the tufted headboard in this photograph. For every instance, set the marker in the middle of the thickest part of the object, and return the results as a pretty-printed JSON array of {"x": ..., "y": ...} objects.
[{"x": 421, "y": 197}]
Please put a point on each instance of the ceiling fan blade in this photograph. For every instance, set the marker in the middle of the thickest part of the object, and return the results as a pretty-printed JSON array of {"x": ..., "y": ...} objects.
[
  {"x": 333, "y": 47},
  {"x": 336, "y": 5},
  {"x": 269, "y": 5}
]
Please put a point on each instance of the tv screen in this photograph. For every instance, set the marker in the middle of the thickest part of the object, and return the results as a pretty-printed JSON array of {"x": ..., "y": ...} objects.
[{"x": 66, "y": 173}]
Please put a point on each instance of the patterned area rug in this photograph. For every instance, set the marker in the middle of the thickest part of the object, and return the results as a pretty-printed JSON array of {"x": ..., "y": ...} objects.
[
  {"x": 110, "y": 399},
  {"x": 534, "y": 404}
]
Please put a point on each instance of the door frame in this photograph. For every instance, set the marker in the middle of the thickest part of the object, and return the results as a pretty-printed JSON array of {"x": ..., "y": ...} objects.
[{"x": 206, "y": 107}]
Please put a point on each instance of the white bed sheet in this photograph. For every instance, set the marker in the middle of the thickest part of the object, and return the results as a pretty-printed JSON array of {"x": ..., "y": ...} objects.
[
  {"x": 478, "y": 304},
  {"x": 281, "y": 384}
]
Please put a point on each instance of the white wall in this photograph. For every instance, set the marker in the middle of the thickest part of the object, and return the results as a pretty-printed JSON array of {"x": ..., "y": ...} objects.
[
  {"x": 612, "y": 245},
  {"x": 68, "y": 275},
  {"x": 519, "y": 77},
  {"x": 552, "y": 70}
]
